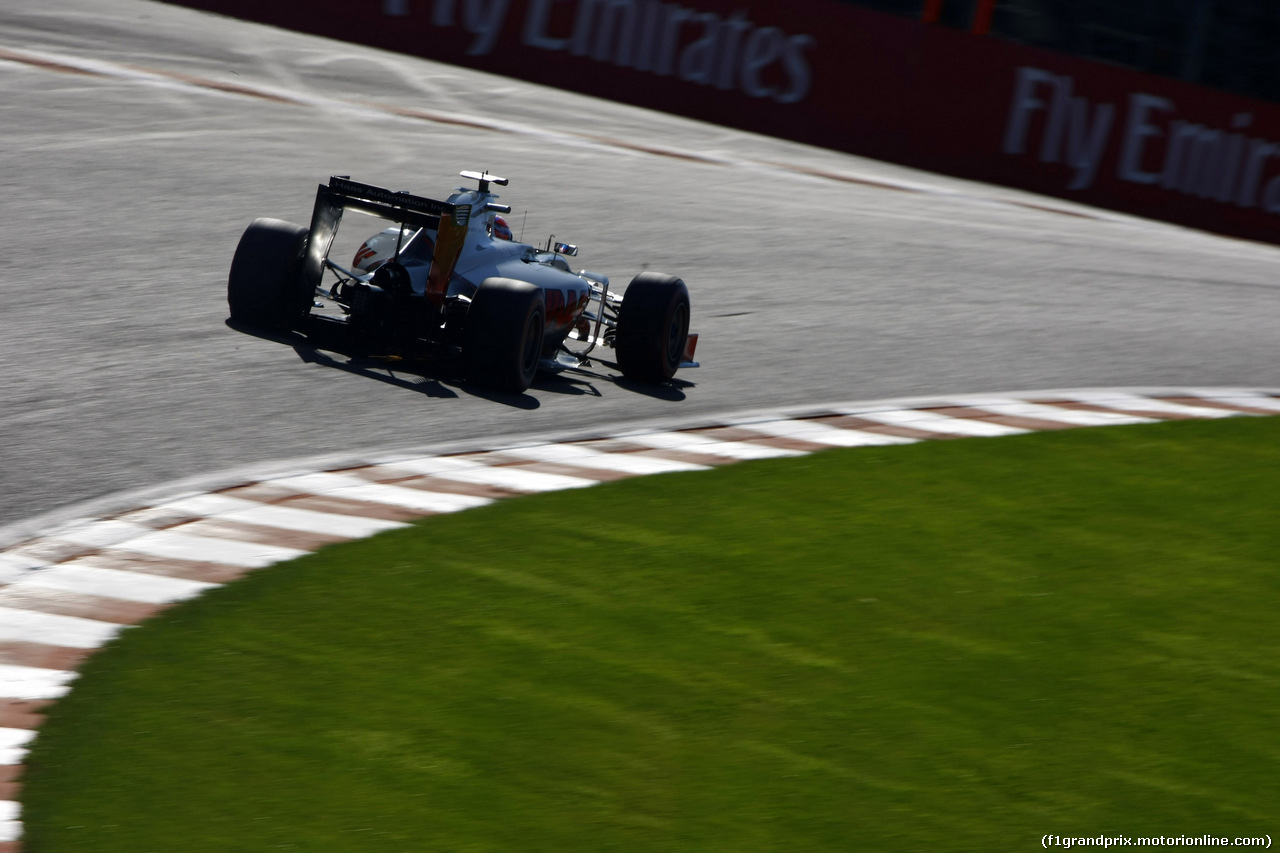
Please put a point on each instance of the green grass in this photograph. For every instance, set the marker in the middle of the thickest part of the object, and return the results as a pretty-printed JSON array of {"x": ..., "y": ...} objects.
[{"x": 949, "y": 646}]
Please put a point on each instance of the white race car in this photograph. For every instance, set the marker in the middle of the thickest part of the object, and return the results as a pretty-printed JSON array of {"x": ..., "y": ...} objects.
[{"x": 448, "y": 281}]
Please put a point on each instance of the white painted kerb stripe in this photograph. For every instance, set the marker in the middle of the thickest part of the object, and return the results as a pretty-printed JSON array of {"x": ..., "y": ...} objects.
[
  {"x": 33, "y": 683},
  {"x": 175, "y": 545},
  {"x": 13, "y": 744},
  {"x": 817, "y": 433},
  {"x": 101, "y": 534},
  {"x": 690, "y": 443},
  {"x": 33, "y": 626},
  {"x": 10, "y": 823},
  {"x": 1252, "y": 401},
  {"x": 14, "y": 566},
  {"x": 503, "y": 476},
  {"x": 933, "y": 422},
  {"x": 283, "y": 517},
  {"x": 113, "y": 583},
  {"x": 1133, "y": 402},
  {"x": 1045, "y": 412},
  {"x": 585, "y": 457},
  {"x": 357, "y": 489}
]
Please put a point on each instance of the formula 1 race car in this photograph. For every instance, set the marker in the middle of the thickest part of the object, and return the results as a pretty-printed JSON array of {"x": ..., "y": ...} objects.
[{"x": 448, "y": 281}]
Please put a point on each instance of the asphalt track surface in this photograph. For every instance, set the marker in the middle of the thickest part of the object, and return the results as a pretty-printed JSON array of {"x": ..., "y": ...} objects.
[{"x": 140, "y": 139}]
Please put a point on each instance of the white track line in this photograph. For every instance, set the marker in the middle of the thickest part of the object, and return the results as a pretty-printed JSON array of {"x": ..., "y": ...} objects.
[{"x": 61, "y": 561}]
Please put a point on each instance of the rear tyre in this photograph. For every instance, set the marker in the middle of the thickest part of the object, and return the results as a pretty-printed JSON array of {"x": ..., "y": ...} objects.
[
  {"x": 653, "y": 323},
  {"x": 264, "y": 288},
  {"x": 503, "y": 340}
]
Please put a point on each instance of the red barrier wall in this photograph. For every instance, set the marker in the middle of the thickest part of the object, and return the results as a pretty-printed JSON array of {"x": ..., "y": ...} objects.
[{"x": 843, "y": 77}]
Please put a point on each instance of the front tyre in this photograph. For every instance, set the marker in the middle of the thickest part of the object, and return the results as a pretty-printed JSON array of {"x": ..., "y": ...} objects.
[
  {"x": 503, "y": 340},
  {"x": 264, "y": 288},
  {"x": 653, "y": 324}
]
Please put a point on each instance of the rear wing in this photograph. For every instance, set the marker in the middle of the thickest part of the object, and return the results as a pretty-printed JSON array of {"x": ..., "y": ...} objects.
[{"x": 449, "y": 221}]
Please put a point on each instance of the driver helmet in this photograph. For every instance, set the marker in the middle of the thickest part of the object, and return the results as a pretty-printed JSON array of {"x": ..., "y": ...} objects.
[{"x": 501, "y": 230}]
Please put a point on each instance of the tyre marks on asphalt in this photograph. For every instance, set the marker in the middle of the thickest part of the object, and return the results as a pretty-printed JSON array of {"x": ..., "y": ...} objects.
[
  {"x": 67, "y": 63},
  {"x": 72, "y": 590}
]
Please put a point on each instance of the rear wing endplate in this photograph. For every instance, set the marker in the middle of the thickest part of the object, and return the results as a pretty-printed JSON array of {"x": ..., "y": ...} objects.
[{"x": 343, "y": 194}]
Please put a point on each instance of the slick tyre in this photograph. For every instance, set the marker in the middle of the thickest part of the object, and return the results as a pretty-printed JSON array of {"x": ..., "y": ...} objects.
[
  {"x": 653, "y": 323},
  {"x": 264, "y": 287},
  {"x": 503, "y": 340}
]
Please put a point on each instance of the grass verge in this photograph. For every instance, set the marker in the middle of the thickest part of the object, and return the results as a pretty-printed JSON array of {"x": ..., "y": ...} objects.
[{"x": 948, "y": 646}]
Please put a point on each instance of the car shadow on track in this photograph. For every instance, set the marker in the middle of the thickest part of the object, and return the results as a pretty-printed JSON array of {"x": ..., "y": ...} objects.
[
  {"x": 409, "y": 375},
  {"x": 420, "y": 377},
  {"x": 580, "y": 381},
  {"x": 445, "y": 381},
  {"x": 391, "y": 371},
  {"x": 672, "y": 391}
]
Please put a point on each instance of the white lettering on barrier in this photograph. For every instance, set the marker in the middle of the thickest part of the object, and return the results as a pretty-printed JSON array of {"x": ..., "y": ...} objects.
[
  {"x": 734, "y": 29},
  {"x": 1068, "y": 122},
  {"x": 669, "y": 39},
  {"x": 1137, "y": 130},
  {"x": 483, "y": 20},
  {"x": 696, "y": 60},
  {"x": 649, "y": 36},
  {"x": 762, "y": 49},
  {"x": 798, "y": 67},
  {"x": 535, "y": 27},
  {"x": 1024, "y": 103},
  {"x": 1223, "y": 165}
]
